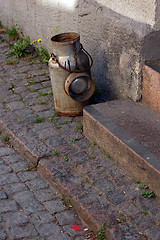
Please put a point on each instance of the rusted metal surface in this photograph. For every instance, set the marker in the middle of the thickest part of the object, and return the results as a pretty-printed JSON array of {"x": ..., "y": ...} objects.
[
  {"x": 69, "y": 58},
  {"x": 64, "y": 38}
]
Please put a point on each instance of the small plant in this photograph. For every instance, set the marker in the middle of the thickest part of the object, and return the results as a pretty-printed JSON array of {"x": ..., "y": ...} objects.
[
  {"x": 64, "y": 122},
  {"x": 42, "y": 51},
  {"x": 145, "y": 212},
  {"x": 31, "y": 167},
  {"x": 93, "y": 143},
  {"x": 21, "y": 48},
  {"x": 45, "y": 93},
  {"x": 79, "y": 128},
  {"x": 56, "y": 153},
  {"x": 13, "y": 33},
  {"x": 102, "y": 232},
  {"x": 31, "y": 82},
  {"x": 143, "y": 186},
  {"x": 12, "y": 86},
  {"x": 42, "y": 102},
  {"x": 6, "y": 139},
  {"x": 108, "y": 156},
  {"x": 40, "y": 120},
  {"x": 93, "y": 184},
  {"x": 136, "y": 181},
  {"x": 86, "y": 180},
  {"x": 73, "y": 140},
  {"x": 11, "y": 62},
  {"x": 67, "y": 203},
  {"x": 66, "y": 158},
  {"x": 148, "y": 194}
]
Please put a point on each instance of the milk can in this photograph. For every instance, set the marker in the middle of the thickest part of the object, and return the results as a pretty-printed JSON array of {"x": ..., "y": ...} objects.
[{"x": 69, "y": 69}]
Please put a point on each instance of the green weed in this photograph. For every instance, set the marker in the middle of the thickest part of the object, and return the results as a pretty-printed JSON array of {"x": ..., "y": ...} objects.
[
  {"x": 56, "y": 153},
  {"x": 67, "y": 202},
  {"x": 13, "y": 33},
  {"x": 102, "y": 232},
  {"x": 66, "y": 158},
  {"x": 145, "y": 212},
  {"x": 143, "y": 186},
  {"x": 6, "y": 139},
  {"x": 149, "y": 194},
  {"x": 45, "y": 93},
  {"x": 44, "y": 54},
  {"x": 73, "y": 140},
  {"x": 40, "y": 120},
  {"x": 108, "y": 156},
  {"x": 21, "y": 48},
  {"x": 79, "y": 128},
  {"x": 42, "y": 102},
  {"x": 11, "y": 62},
  {"x": 93, "y": 143}
]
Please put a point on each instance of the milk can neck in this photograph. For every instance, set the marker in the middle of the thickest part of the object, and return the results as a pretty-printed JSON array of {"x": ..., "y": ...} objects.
[{"x": 66, "y": 44}]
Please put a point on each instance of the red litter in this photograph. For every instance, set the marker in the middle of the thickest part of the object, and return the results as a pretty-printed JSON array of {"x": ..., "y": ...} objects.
[{"x": 76, "y": 228}]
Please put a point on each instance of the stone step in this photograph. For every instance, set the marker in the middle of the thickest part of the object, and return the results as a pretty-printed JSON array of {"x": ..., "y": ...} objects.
[
  {"x": 130, "y": 133},
  {"x": 151, "y": 85}
]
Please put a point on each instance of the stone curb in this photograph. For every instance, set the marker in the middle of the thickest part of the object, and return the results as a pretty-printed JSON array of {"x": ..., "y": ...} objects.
[
  {"x": 131, "y": 155},
  {"x": 23, "y": 138}
]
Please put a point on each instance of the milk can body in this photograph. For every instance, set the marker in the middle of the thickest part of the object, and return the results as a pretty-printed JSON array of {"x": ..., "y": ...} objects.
[{"x": 67, "y": 67}]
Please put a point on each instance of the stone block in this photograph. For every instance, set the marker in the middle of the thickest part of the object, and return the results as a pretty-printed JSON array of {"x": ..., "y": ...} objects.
[{"x": 151, "y": 87}]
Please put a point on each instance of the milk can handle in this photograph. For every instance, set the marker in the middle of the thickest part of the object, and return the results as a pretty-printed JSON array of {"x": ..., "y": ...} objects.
[{"x": 54, "y": 58}]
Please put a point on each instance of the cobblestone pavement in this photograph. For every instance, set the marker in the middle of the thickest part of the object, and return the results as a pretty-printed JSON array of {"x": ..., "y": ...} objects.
[
  {"x": 90, "y": 180},
  {"x": 29, "y": 208}
]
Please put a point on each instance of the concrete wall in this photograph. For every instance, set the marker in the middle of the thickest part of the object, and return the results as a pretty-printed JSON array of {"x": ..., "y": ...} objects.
[{"x": 119, "y": 34}]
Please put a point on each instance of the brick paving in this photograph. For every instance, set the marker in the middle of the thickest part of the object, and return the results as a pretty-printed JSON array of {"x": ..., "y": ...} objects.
[{"x": 98, "y": 189}]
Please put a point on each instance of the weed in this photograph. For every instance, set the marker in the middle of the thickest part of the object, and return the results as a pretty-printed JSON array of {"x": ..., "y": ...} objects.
[
  {"x": 108, "y": 156},
  {"x": 93, "y": 183},
  {"x": 102, "y": 232},
  {"x": 64, "y": 122},
  {"x": 56, "y": 114},
  {"x": 73, "y": 140},
  {"x": 11, "y": 62},
  {"x": 56, "y": 153},
  {"x": 42, "y": 51},
  {"x": 120, "y": 220},
  {"x": 86, "y": 180},
  {"x": 136, "y": 181},
  {"x": 93, "y": 143},
  {"x": 79, "y": 128},
  {"x": 45, "y": 93},
  {"x": 31, "y": 167},
  {"x": 31, "y": 82},
  {"x": 44, "y": 54},
  {"x": 66, "y": 158},
  {"x": 3, "y": 102},
  {"x": 1, "y": 24},
  {"x": 6, "y": 139},
  {"x": 40, "y": 120},
  {"x": 42, "y": 102},
  {"x": 143, "y": 186},
  {"x": 145, "y": 212},
  {"x": 13, "y": 33},
  {"x": 12, "y": 86},
  {"x": 148, "y": 194},
  {"x": 21, "y": 48},
  {"x": 67, "y": 202}
]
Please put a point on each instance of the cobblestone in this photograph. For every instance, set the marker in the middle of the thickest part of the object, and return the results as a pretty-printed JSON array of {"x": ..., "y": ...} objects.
[{"x": 90, "y": 180}]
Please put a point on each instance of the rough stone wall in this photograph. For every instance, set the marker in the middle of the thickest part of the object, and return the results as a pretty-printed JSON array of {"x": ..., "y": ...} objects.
[{"x": 119, "y": 34}]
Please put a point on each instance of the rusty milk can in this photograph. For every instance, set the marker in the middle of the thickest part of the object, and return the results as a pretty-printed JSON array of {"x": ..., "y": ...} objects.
[{"x": 69, "y": 69}]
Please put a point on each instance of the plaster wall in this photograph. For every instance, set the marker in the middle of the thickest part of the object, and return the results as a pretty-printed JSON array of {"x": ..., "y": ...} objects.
[{"x": 119, "y": 34}]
